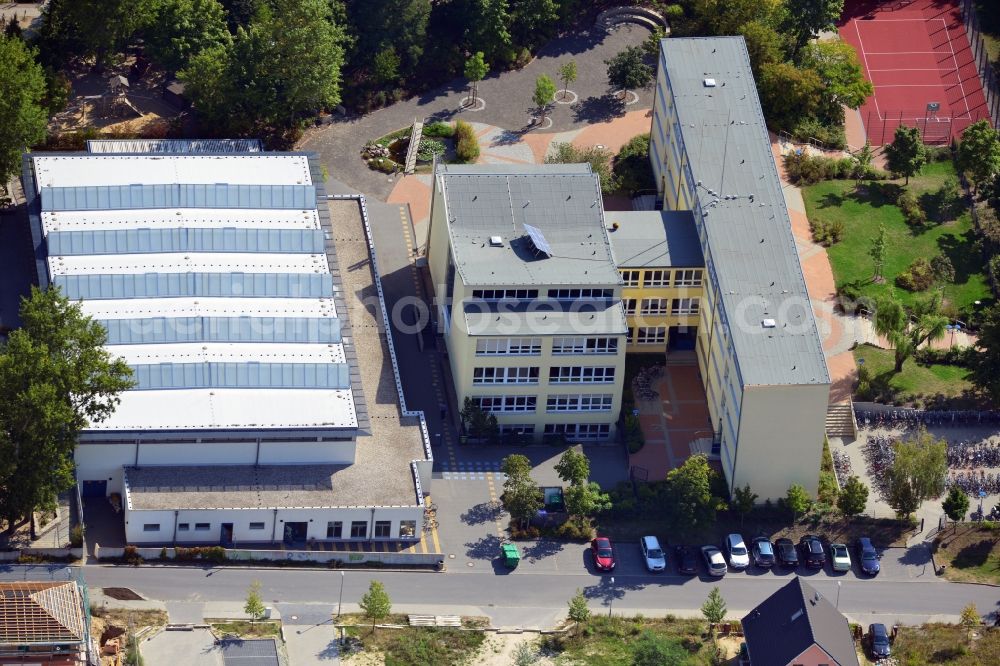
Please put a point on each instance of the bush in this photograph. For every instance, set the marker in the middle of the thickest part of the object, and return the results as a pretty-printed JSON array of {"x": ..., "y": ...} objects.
[
  {"x": 826, "y": 233},
  {"x": 995, "y": 266},
  {"x": 632, "y": 169},
  {"x": 919, "y": 276},
  {"x": 215, "y": 554},
  {"x": 599, "y": 160},
  {"x": 467, "y": 146},
  {"x": 429, "y": 149},
  {"x": 633, "y": 434},
  {"x": 942, "y": 269},
  {"x": 910, "y": 207},
  {"x": 575, "y": 529},
  {"x": 852, "y": 300},
  {"x": 809, "y": 169},
  {"x": 962, "y": 357},
  {"x": 938, "y": 153},
  {"x": 132, "y": 556},
  {"x": 948, "y": 200},
  {"x": 439, "y": 129},
  {"x": 833, "y": 136},
  {"x": 76, "y": 536}
]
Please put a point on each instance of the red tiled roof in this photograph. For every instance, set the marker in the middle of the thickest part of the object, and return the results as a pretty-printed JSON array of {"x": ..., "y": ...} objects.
[{"x": 40, "y": 613}]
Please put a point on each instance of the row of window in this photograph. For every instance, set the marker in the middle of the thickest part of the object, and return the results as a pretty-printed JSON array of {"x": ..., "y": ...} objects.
[
  {"x": 586, "y": 402},
  {"x": 557, "y": 375},
  {"x": 334, "y": 529},
  {"x": 681, "y": 277},
  {"x": 661, "y": 306},
  {"x": 533, "y": 346},
  {"x": 573, "y": 294},
  {"x": 648, "y": 335},
  {"x": 569, "y": 430},
  {"x": 502, "y": 294}
]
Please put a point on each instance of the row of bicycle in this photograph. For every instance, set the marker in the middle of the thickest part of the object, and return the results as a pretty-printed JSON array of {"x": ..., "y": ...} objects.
[
  {"x": 907, "y": 418},
  {"x": 879, "y": 453}
]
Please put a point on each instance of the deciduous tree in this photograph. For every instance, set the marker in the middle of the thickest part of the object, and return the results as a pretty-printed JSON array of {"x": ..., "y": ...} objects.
[
  {"x": 906, "y": 155},
  {"x": 917, "y": 472},
  {"x": 877, "y": 251},
  {"x": 689, "y": 494},
  {"x": 956, "y": 504},
  {"x": 375, "y": 604},
  {"x": 853, "y": 497},
  {"x": 522, "y": 498},
  {"x": 22, "y": 113},
  {"x": 628, "y": 70},
  {"x": 254, "y": 607},
  {"x": 797, "y": 500},
  {"x": 844, "y": 84},
  {"x": 567, "y": 74},
  {"x": 488, "y": 27},
  {"x": 475, "y": 70},
  {"x": 399, "y": 25},
  {"x": 907, "y": 331},
  {"x": 585, "y": 500},
  {"x": 986, "y": 359},
  {"x": 545, "y": 92},
  {"x": 743, "y": 501},
  {"x": 788, "y": 94},
  {"x": 714, "y": 608},
  {"x": 573, "y": 467},
  {"x": 479, "y": 423},
  {"x": 805, "y": 19},
  {"x": 578, "y": 610},
  {"x": 598, "y": 158},
  {"x": 179, "y": 29},
  {"x": 979, "y": 153},
  {"x": 96, "y": 28}
]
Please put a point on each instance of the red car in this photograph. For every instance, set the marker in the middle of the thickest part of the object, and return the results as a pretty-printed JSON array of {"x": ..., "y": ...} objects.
[{"x": 604, "y": 555}]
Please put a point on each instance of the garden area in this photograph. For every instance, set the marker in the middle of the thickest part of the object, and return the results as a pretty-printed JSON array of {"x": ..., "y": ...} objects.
[
  {"x": 919, "y": 383},
  {"x": 947, "y": 644},
  {"x": 970, "y": 552},
  {"x": 402, "y": 644},
  {"x": 450, "y": 143}
]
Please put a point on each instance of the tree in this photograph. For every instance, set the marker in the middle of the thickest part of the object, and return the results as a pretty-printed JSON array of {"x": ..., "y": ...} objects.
[
  {"x": 22, "y": 115},
  {"x": 979, "y": 153},
  {"x": 375, "y": 604},
  {"x": 906, "y": 332},
  {"x": 567, "y": 74},
  {"x": 798, "y": 500},
  {"x": 853, "y": 497},
  {"x": 788, "y": 94},
  {"x": 385, "y": 66},
  {"x": 598, "y": 158},
  {"x": 254, "y": 607},
  {"x": 654, "y": 650},
  {"x": 844, "y": 84},
  {"x": 573, "y": 467},
  {"x": 488, "y": 27},
  {"x": 180, "y": 29},
  {"x": 56, "y": 378},
  {"x": 628, "y": 70},
  {"x": 970, "y": 617},
  {"x": 918, "y": 471},
  {"x": 863, "y": 160},
  {"x": 545, "y": 92},
  {"x": 986, "y": 359},
  {"x": 956, "y": 504},
  {"x": 399, "y": 26},
  {"x": 906, "y": 155},
  {"x": 532, "y": 21},
  {"x": 479, "y": 423},
  {"x": 632, "y": 169},
  {"x": 578, "y": 610},
  {"x": 522, "y": 498},
  {"x": 96, "y": 28},
  {"x": 714, "y": 608},
  {"x": 743, "y": 501},
  {"x": 585, "y": 500},
  {"x": 805, "y": 19},
  {"x": 689, "y": 494},
  {"x": 877, "y": 252},
  {"x": 764, "y": 44},
  {"x": 475, "y": 71}
]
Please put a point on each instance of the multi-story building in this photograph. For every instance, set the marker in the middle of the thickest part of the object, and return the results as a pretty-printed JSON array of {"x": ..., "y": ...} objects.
[
  {"x": 758, "y": 347},
  {"x": 528, "y": 298},
  {"x": 213, "y": 267}
]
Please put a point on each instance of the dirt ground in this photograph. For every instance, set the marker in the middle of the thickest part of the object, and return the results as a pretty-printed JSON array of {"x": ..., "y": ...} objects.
[{"x": 114, "y": 623}]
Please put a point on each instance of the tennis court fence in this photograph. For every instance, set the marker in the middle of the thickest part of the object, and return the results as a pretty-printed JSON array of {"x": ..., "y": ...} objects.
[{"x": 987, "y": 70}]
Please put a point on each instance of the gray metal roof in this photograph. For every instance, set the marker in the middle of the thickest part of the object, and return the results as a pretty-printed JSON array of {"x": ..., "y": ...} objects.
[
  {"x": 156, "y": 376},
  {"x": 162, "y": 330},
  {"x": 547, "y": 317},
  {"x": 140, "y": 146},
  {"x": 666, "y": 238},
  {"x": 173, "y": 285},
  {"x": 177, "y": 195},
  {"x": 186, "y": 239},
  {"x": 748, "y": 238},
  {"x": 562, "y": 201}
]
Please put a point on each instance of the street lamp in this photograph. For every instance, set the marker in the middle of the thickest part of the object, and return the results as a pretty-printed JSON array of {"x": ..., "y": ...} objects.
[
  {"x": 611, "y": 602},
  {"x": 340, "y": 602}
]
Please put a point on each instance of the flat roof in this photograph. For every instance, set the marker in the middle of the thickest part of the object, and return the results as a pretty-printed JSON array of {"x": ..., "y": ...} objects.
[
  {"x": 546, "y": 317},
  {"x": 748, "y": 238},
  {"x": 181, "y": 218},
  {"x": 651, "y": 239},
  {"x": 562, "y": 202}
]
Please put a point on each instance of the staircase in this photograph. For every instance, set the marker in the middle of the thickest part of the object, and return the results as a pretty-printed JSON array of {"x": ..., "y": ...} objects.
[
  {"x": 840, "y": 420},
  {"x": 416, "y": 132}
]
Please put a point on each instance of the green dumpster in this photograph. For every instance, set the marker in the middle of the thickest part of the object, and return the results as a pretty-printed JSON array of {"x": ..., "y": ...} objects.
[{"x": 511, "y": 556}]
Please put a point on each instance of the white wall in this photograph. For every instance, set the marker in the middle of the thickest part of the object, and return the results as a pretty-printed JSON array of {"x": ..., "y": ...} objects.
[
  {"x": 290, "y": 453},
  {"x": 97, "y": 462},
  {"x": 228, "y": 453}
]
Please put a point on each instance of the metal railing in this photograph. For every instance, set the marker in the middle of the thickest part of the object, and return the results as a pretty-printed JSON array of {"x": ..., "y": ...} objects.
[{"x": 986, "y": 70}]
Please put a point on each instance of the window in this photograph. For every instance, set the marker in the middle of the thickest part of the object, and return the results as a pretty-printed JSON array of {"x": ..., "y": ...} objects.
[
  {"x": 585, "y": 345},
  {"x": 687, "y": 278},
  {"x": 407, "y": 529},
  {"x": 500, "y": 294},
  {"x": 256, "y": 526},
  {"x": 359, "y": 529},
  {"x": 524, "y": 375},
  {"x": 505, "y": 403},
  {"x": 509, "y": 346},
  {"x": 581, "y": 375},
  {"x": 517, "y": 429},
  {"x": 151, "y": 527},
  {"x": 684, "y": 306},
  {"x": 630, "y": 278},
  {"x": 572, "y": 294},
  {"x": 630, "y": 305},
  {"x": 579, "y": 430},
  {"x": 383, "y": 529},
  {"x": 654, "y": 306},
  {"x": 183, "y": 527},
  {"x": 651, "y": 335},
  {"x": 598, "y": 402},
  {"x": 656, "y": 279},
  {"x": 334, "y": 529},
  {"x": 202, "y": 527}
]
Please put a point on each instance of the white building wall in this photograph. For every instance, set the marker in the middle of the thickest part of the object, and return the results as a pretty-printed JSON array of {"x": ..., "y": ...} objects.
[
  {"x": 228, "y": 453},
  {"x": 103, "y": 462},
  {"x": 292, "y": 453}
]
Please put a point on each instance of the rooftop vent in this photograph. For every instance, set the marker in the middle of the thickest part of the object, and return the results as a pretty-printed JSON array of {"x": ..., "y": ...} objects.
[
  {"x": 496, "y": 241},
  {"x": 709, "y": 83},
  {"x": 797, "y": 614},
  {"x": 768, "y": 323}
]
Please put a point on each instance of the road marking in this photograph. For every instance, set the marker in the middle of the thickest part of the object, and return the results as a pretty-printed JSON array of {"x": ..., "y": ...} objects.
[{"x": 495, "y": 499}]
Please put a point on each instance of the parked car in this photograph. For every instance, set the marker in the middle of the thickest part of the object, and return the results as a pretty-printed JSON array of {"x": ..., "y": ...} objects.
[
  {"x": 687, "y": 560},
  {"x": 840, "y": 557},
  {"x": 714, "y": 562},
  {"x": 786, "y": 553},
  {"x": 812, "y": 551},
  {"x": 656, "y": 559},
  {"x": 604, "y": 554},
  {"x": 763, "y": 552},
  {"x": 739, "y": 557},
  {"x": 878, "y": 640},
  {"x": 868, "y": 558}
]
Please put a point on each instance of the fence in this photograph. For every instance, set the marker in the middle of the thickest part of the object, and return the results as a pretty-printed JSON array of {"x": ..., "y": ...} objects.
[
  {"x": 987, "y": 73},
  {"x": 321, "y": 556},
  {"x": 934, "y": 130}
]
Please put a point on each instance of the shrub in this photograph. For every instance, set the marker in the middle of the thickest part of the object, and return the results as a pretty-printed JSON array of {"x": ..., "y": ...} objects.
[
  {"x": 439, "y": 129},
  {"x": 942, "y": 269},
  {"x": 919, "y": 276},
  {"x": 467, "y": 146},
  {"x": 598, "y": 158},
  {"x": 185, "y": 554},
  {"x": 215, "y": 554},
  {"x": 826, "y": 233},
  {"x": 811, "y": 128},
  {"x": 429, "y": 149},
  {"x": 995, "y": 266},
  {"x": 809, "y": 169},
  {"x": 632, "y": 168},
  {"x": 575, "y": 529},
  {"x": 910, "y": 207},
  {"x": 948, "y": 200},
  {"x": 76, "y": 536},
  {"x": 938, "y": 153},
  {"x": 852, "y": 299},
  {"x": 132, "y": 556}
]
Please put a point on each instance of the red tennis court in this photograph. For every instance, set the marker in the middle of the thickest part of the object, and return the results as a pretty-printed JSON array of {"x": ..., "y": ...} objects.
[{"x": 916, "y": 54}]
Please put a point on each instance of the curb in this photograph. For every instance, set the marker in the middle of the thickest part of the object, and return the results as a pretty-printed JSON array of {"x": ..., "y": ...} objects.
[{"x": 430, "y": 568}]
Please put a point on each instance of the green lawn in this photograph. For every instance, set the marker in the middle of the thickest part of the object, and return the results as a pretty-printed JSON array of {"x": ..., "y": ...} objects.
[
  {"x": 971, "y": 553},
  {"x": 603, "y": 641},
  {"x": 862, "y": 211},
  {"x": 247, "y": 629},
  {"x": 949, "y": 380},
  {"x": 428, "y": 646}
]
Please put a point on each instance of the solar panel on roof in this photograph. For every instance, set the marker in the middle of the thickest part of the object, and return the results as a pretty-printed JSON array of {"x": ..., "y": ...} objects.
[
  {"x": 156, "y": 330},
  {"x": 160, "y": 376},
  {"x": 538, "y": 238}
]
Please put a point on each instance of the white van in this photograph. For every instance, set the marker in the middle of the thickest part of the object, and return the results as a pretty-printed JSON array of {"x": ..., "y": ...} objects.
[{"x": 655, "y": 559}]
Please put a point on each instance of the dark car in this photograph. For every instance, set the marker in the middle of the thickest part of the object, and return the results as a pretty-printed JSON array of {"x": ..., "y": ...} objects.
[
  {"x": 687, "y": 560},
  {"x": 787, "y": 556},
  {"x": 813, "y": 553},
  {"x": 868, "y": 557},
  {"x": 763, "y": 552},
  {"x": 878, "y": 638},
  {"x": 604, "y": 555}
]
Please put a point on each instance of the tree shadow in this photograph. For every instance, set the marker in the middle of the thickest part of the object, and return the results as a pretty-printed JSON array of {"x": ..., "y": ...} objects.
[
  {"x": 832, "y": 200},
  {"x": 507, "y": 138},
  {"x": 974, "y": 555},
  {"x": 486, "y": 548},
  {"x": 598, "y": 109},
  {"x": 542, "y": 548},
  {"x": 608, "y": 592},
  {"x": 962, "y": 252},
  {"x": 876, "y": 195},
  {"x": 485, "y": 512}
]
